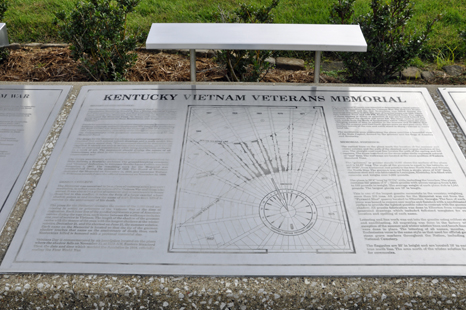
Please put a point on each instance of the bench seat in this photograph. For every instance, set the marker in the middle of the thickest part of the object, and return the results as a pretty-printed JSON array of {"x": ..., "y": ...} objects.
[{"x": 292, "y": 37}]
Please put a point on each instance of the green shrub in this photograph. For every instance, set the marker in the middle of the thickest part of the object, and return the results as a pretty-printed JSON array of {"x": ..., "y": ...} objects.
[
  {"x": 342, "y": 12},
  {"x": 389, "y": 46},
  {"x": 3, "y": 8},
  {"x": 4, "y": 53},
  {"x": 96, "y": 30},
  {"x": 246, "y": 65}
]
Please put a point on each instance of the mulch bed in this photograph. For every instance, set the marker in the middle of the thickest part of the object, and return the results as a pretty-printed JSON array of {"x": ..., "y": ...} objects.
[{"x": 56, "y": 65}]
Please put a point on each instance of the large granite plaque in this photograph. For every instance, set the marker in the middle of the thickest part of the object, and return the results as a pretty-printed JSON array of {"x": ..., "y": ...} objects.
[
  {"x": 27, "y": 114},
  {"x": 204, "y": 180},
  {"x": 456, "y": 101}
]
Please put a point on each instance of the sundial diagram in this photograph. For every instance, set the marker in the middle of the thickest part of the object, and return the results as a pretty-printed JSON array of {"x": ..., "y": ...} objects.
[{"x": 258, "y": 179}]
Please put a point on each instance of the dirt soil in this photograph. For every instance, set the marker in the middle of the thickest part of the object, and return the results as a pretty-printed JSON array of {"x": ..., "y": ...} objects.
[{"x": 56, "y": 65}]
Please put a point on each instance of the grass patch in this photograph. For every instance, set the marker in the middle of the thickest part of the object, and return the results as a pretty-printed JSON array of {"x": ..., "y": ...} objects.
[
  {"x": 417, "y": 62},
  {"x": 31, "y": 20}
]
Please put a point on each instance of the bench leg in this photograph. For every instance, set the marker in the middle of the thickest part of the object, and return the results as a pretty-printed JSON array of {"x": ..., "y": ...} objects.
[
  {"x": 192, "y": 56},
  {"x": 317, "y": 67}
]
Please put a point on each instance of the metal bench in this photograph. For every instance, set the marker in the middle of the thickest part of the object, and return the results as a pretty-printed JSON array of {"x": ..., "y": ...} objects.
[{"x": 291, "y": 37}]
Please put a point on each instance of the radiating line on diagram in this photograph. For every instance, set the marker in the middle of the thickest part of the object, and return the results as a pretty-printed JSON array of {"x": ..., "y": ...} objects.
[{"x": 258, "y": 178}]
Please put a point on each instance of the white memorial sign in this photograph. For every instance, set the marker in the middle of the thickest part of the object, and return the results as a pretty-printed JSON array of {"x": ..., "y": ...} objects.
[
  {"x": 204, "y": 180},
  {"x": 456, "y": 101},
  {"x": 27, "y": 114}
]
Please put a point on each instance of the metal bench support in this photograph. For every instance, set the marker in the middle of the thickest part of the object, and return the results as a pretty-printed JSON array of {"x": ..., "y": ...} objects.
[
  {"x": 317, "y": 66},
  {"x": 192, "y": 56}
]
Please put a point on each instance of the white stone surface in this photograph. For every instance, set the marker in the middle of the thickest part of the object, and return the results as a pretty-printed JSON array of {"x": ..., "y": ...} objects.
[
  {"x": 155, "y": 179},
  {"x": 296, "y": 37},
  {"x": 455, "y": 98},
  {"x": 26, "y": 117}
]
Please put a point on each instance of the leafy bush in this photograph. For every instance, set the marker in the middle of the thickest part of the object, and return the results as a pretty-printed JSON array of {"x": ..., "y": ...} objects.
[
  {"x": 246, "y": 65},
  {"x": 342, "y": 12},
  {"x": 4, "y": 53},
  {"x": 3, "y": 8},
  {"x": 96, "y": 30},
  {"x": 389, "y": 46}
]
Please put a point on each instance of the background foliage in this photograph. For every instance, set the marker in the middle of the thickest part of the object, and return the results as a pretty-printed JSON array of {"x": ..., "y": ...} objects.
[
  {"x": 389, "y": 46},
  {"x": 246, "y": 65},
  {"x": 4, "y": 53},
  {"x": 3, "y": 8},
  {"x": 31, "y": 20},
  {"x": 96, "y": 30}
]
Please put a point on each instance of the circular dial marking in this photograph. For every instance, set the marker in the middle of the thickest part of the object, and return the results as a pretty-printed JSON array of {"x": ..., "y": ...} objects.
[{"x": 288, "y": 211}]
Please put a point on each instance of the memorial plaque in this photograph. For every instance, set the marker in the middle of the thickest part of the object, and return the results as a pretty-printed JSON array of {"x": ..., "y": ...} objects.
[
  {"x": 456, "y": 101},
  {"x": 27, "y": 114},
  {"x": 237, "y": 180}
]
